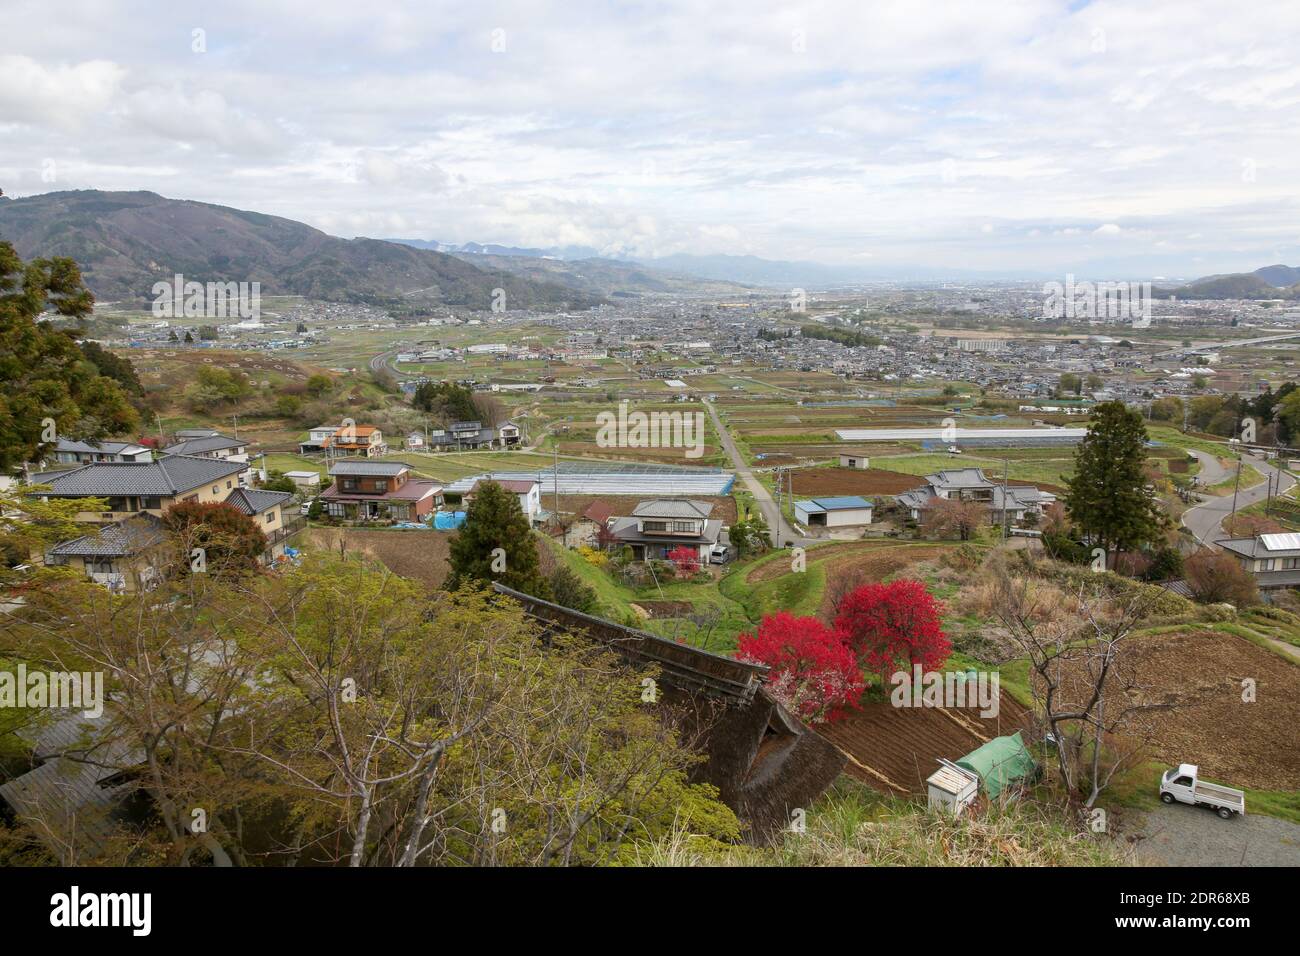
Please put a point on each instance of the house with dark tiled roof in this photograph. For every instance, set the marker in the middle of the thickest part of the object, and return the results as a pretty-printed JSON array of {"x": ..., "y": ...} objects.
[
  {"x": 661, "y": 525},
  {"x": 1013, "y": 503},
  {"x": 70, "y": 452},
  {"x": 130, "y": 488},
  {"x": 123, "y": 557}
]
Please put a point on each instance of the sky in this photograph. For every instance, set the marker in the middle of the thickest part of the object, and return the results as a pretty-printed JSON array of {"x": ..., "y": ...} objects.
[{"x": 1129, "y": 139}]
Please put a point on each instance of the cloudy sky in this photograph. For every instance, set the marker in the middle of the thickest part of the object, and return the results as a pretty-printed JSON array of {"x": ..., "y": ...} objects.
[{"x": 1138, "y": 138}]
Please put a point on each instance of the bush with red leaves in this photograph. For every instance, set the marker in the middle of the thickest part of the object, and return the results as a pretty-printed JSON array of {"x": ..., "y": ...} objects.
[
  {"x": 814, "y": 672},
  {"x": 894, "y": 626}
]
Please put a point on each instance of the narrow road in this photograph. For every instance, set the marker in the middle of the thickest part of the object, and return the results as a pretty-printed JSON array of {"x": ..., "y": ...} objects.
[
  {"x": 1205, "y": 521},
  {"x": 771, "y": 514}
]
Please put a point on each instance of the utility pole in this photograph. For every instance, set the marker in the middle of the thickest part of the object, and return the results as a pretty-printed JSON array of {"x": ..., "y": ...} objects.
[
  {"x": 235, "y": 419},
  {"x": 1235, "y": 485}
]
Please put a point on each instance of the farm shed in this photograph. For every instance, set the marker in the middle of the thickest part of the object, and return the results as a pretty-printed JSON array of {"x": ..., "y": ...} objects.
[
  {"x": 833, "y": 512},
  {"x": 951, "y": 788},
  {"x": 999, "y": 763},
  {"x": 854, "y": 459},
  {"x": 764, "y": 761}
]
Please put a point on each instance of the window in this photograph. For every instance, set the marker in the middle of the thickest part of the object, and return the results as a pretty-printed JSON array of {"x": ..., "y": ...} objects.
[
  {"x": 380, "y": 485},
  {"x": 216, "y": 489},
  {"x": 349, "y": 484},
  {"x": 270, "y": 517},
  {"x": 191, "y": 498},
  {"x": 228, "y": 485},
  {"x": 150, "y": 504},
  {"x": 654, "y": 525},
  {"x": 686, "y": 526}
]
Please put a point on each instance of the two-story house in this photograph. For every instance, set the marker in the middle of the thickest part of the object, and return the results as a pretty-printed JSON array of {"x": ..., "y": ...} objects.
[
  {"x": 344, "y": 441},
  {"x": 661, "y": 525},
  {"x": 970, "y": 484},
  {"x": 364, "y": 490},
  {"x": 134, "y": 487},
  {"x": 1272, "y": 559},
  {"x": 124, "y": 557}
]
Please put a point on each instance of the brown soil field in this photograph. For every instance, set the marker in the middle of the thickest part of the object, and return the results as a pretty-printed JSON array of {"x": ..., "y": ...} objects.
[
  {"x": 893, "y": 749},
  {"x": 667, "y": 456},
  {"x": 823, "y": 452},
  {"x": 419, "y": 555},
  {"x": 1193, "y": 679},
  {"x": 852, "y": 481}
]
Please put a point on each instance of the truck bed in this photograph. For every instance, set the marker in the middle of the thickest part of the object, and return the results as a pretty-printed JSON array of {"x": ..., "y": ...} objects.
[{"x": 1220, "y": 796}]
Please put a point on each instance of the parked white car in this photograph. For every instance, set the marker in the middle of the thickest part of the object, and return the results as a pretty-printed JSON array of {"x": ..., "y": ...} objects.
[{"x": 1182, "y": 784}]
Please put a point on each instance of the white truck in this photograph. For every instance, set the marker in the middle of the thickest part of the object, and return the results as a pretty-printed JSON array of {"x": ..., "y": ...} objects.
[{"x": 1182, "y": 784}]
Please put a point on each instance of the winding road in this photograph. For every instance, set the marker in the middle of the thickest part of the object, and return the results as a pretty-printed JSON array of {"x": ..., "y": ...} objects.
[{"x": 1205, "y": 521}]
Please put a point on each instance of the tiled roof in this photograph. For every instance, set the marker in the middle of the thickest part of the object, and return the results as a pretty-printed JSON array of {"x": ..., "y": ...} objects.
[
  {"x": 252, "y": 501},
  {"x": 166, "y": 476},
  {"x": 197, "y": 446},
  {"x": 519, "y": 487},
  {"x": 116, "y": 540},
  {"x": 377, "y": 468},
  {"x": 99, "y": 448},
  {"x": 672, "y": 508}
]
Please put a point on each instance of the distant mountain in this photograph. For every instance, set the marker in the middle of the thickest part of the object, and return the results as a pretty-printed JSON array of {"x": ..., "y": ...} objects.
[
  {"x": 1279, "y": 275},
  {"x": 606, "y": 277},
  {"x": 127, "y": 241},
  {"x": 1270, "y": 282},
  {"x": 492, "y": 249}
]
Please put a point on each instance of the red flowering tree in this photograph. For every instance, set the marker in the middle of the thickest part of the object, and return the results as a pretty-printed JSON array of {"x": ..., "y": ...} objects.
[
  {"x": 814, "y": 672},
  {"x": 893, "y": 627},
  {"x": 686, "y": 559}
]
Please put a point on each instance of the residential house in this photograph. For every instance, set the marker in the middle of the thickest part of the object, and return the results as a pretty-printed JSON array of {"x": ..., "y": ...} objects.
[
  {"x": 661, "y": 525},
  {"x": 343, "y": 441},
  {"x": 122, "y": 556},
  {"x": 528, "y": 491},
  {"x": 845, "y": 512},
  {"x": 1272, "y": 559},
  {"x": 470, "y": 435},
  {"x": 415, "y": 441},
  {"x": 134, "y": 487},
  {"x": 213, "y": 444},
  {"x": 267, "y": 509},
  {"x": 365, "y": 490},
  {"x": 1013, "y": 503},
  {"x": 70, "y": 452}
]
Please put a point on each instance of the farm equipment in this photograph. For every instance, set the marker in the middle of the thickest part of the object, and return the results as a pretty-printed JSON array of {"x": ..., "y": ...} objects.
[{"x": 1182, "y": 784}]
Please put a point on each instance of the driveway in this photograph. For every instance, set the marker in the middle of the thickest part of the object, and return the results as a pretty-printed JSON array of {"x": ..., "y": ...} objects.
[
  {"x": 1179, "y": 835},
  {"x": 1205, "y": 521}
]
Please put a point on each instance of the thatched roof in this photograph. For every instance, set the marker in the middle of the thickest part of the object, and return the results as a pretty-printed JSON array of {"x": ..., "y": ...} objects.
[{"x": 765, "y": 762}]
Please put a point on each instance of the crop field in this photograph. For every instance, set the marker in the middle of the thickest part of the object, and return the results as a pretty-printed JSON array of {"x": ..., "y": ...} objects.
[
  {"x": 852, "y": 481},
  {"x": 1190, "y": 682},
  {"x": 893, "y": 749}
]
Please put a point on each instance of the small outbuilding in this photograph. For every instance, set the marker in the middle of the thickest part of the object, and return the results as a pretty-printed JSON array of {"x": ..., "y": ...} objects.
[
  {"x": 844, "y": 512},
  {"x": 952, "y": 788},
  {"x": 854, "y": 459},
  {"x": 306, "y": 480}
]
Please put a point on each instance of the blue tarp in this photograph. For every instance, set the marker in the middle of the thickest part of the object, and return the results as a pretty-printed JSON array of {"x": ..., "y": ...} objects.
[{"x": 448, "y": 520}]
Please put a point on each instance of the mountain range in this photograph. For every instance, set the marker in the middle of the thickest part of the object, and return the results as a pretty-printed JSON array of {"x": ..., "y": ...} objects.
[
  {"x": 124, "y": 242},
  {"x": 1270, "y": 282}
]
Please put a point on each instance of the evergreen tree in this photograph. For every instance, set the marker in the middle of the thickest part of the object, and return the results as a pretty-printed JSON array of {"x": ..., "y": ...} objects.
[
  {"x": 48, "y": 388},
  {"x": 1107, "y": 500},
  {"x": 494, "y": 521}
]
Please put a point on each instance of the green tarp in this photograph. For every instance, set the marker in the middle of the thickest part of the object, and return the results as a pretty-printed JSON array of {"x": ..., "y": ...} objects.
[{"x": 1001, "y": 761}]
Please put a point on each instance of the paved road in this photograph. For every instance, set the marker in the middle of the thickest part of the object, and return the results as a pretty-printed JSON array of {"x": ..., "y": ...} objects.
[
  {"x": 774, "y": 517},
  {"x": 1179, "y": 835},
  {"x": 1205, "y": 521}
]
